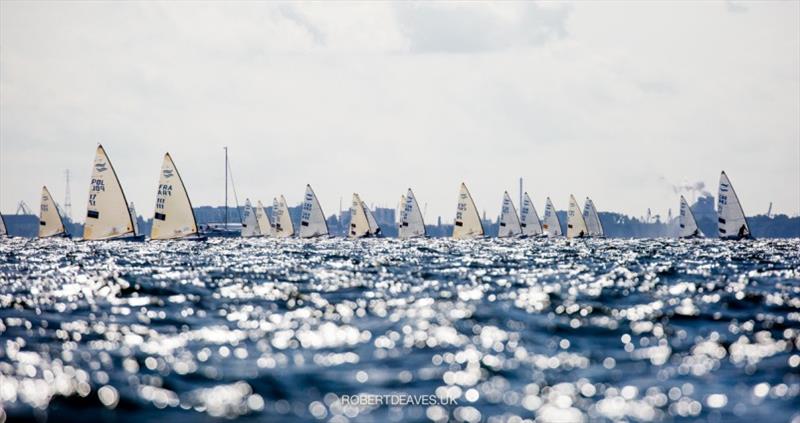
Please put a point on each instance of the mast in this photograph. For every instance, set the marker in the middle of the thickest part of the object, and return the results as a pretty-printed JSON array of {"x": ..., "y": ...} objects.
[{"x": 226, "y": 187}]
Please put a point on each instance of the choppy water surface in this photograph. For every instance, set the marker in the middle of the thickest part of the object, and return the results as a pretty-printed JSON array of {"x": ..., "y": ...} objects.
[{"x": 552, "y": 330}]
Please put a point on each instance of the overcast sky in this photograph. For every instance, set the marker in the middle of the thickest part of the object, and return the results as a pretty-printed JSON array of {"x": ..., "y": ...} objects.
[{"x": 620, "y": 101}]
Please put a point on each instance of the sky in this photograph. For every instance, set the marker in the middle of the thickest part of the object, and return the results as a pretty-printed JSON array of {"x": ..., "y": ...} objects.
[{"x": 630, "y": 103}]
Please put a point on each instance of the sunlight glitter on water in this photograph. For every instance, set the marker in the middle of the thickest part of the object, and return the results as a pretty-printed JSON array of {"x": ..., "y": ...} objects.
[{"x": 511, "y": 330}]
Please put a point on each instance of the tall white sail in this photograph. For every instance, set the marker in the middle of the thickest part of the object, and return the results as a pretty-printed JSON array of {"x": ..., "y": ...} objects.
[
  {"x": 134, "y": 218},
  {"x": 174, "y": 216},
  {"x": 468, "y": 222},
  {"x": 411, "y": 223},
  {"x": 529, "y": 219},
  {"x": 3, "y": 229},
  {"x": 687, "y": 225},
  {"x": 281, "y": 219},
  {"x": 592, "y": 219},
  {"x": 732, "y": 222},
  {"x": 551, "y": 225},
  {"x": 576, "y": 225},
  {"x": 374, "y": 228},
  {"x": 50, "y": 223},
  {"x": 312, "y": 219},
  {"x": 509, "y": 222},
  {"x": 107, "y": 215},
  {"x": 264, "y": 224},
  {"x": 359, "y": 223},
  {"x": 250, "y": 227}
]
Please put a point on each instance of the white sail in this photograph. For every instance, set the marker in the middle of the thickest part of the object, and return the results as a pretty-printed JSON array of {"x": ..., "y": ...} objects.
[
  {"x": 687, "y": 225},
  {"x": 174, "y": 216},
  {"x": 509, "y": 222},
  {"x": 134, "y": 219},
  {"x": 576, "y": 225},
  {"x": 398, "y": 213},
  {"x": 592, "y": 219},
  {"x": 281, "y": 219},
  {"x": 411, "y": 223},
  {"x": 50, "y": 223},
  {"x": 468, "y": 221},
  {"x": 107, "y": 215},
  {"x": 3, "y": 229},
  {"x": 551, "y": 225},
  {"x": 359, "y": 223},
  {"x": 374, "y": 228},
  {"x": 732, "y": 222},
  {"x": 529, "y": 219},
  {"x": 312, "y": 219},
  {"x": 264, "y": 224},
  {"x": 250, "y": 227}
]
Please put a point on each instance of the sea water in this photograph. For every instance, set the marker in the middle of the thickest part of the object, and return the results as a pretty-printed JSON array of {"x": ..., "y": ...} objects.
[{"x": 388, "y": 330}]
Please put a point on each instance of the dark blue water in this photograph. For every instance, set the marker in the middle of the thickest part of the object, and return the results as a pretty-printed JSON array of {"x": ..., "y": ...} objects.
[{"x": 496, "y": 330}]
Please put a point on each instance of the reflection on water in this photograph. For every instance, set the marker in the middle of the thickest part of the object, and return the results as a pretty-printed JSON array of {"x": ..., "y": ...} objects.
[{"x": 508, "y": 330}]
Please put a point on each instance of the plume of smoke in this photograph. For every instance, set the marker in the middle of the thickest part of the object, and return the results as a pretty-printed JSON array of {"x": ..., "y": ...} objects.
[{"x": 698, "y": 187}]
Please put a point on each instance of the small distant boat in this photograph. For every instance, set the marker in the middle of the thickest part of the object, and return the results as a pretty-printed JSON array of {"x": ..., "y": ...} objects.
[
  {"x": 687, "y": 225},
  {"x": 529, "y": 219},
  {"x": 592, "y": 219},
  {"x": 107, "y": 215},
  {"x": 551, "y": 224},
  {"x": 411, "y": 223},
  {"x": 50, "y": 221},
  {"x": 281, "y": 219},
  {"x": 262, "y": 217},
  {"x": 400, "y": 206},
  {"x": 250, "y": 226},
  {"x": 359, "y": 222},
  {"x": 174, "y": 216},
  {"x": 509, "y": 222},
  {"x": 374, "y": 228},
  {"x": 3, "y": 229},
  {"x": 468, "y": 222},
  {"x": 312, "y": 219},
  {"x": 731, "y": 218},
  {"x": 576, "y": 225}
]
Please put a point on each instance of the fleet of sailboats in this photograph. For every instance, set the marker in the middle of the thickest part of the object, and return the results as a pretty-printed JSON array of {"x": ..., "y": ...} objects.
[{"x": 110, "y": 216}]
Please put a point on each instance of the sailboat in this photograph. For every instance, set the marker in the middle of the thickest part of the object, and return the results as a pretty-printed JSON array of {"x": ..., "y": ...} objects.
[
  {"x": 468, "y": 222},
  {"x": 576, "y": 225},
  {"x": 731, "y": 218},
  {"x": 359, "y": 222},
  {"x": 400, "y": 206},
  {"x": 174, "y": 216},
  {"x": 282, "y": 221},
  {"x": 107, "y": 215},
  {"x": 592, "y": 219},
  {"x": 312, "y": 219},
  {"x": 529, "y": 219},
  {"x": 551, "y": 225},
  {"x": 411, "y": 223},
  {"x": 262, "y": 217},
  {"x": 50, "y": 221},
  {"x": 3, "y": 229},
  {"x": 250, "y": 226},
  {"x": 134, "y": 218},
  {"x": 509, "y": 222},
  {"x": 374, "y": 228},
  {"x": 687, "y": 225}
]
